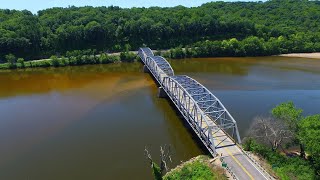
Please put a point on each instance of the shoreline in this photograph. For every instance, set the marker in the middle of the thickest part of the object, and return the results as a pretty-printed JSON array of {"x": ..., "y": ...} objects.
[
  {"x": 49, "y": 62},
  {"x": 315, "y": 55}
]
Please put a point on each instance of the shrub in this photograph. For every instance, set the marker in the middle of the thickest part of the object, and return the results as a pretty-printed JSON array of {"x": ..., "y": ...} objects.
[
  {"x": 128, "y": 56},
  {"x": 11, "y": 59},
  {"x": 55, "y": 61},
  {"x": 72, "y": 61},
  {"x": 197, "y": 169},
  {"x": 64, "y": 61},
  {"x": 178, "y": 53},
  {"x": 21, "y": 62},
  {"x": 285, "y": 167}
]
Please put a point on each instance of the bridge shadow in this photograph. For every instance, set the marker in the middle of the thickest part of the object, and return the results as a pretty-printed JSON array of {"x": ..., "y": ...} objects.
[
  {"x": 150, "y": 74},
  {"x": 186, "y": 125},
  {"x": 223, "y": 146}
]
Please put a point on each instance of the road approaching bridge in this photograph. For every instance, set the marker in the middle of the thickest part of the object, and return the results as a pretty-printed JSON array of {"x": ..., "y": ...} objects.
[{"x": 205, "y": 114}]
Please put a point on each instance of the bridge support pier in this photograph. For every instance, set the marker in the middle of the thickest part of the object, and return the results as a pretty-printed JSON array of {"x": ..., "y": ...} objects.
[
  {"x": 162, "y": 93},
  {"x": 145, "y": 69}
]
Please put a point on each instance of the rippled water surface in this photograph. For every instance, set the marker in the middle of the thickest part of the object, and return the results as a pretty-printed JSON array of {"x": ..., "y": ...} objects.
[{"x": 93, "y": 122}]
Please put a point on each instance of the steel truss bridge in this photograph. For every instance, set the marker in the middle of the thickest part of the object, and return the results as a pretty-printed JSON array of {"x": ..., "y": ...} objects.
[{"x": 205, "y": 114}]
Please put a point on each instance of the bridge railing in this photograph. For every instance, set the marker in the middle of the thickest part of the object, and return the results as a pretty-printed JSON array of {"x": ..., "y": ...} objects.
[
  {"x": 144, "y": 53},
  {"x": 163, "y": 64},
  {"x": 210, "y": 105},
  {"x": 155, "y": 69},
  {"x": 191, "y": 111},
  {"x": 157, "y": 65}
]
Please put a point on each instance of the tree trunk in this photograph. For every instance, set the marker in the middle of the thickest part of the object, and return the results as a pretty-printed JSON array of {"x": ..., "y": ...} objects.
[{"x": 302, "y": 152}]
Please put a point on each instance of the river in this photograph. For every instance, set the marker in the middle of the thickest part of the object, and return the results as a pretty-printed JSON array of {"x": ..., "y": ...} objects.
[{"x": 93, "y": 122}]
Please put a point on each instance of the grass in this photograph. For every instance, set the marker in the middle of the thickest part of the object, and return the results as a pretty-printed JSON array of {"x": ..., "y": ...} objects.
[{"x": 196, "y": 169}]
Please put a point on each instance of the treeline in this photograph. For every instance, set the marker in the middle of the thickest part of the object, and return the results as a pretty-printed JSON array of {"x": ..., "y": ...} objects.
[
  {"x": 111, "y": 29},
  {"x": 72, "y": 58},
  {"x": 250, "y": 46},
  {"x": 270, "y": 137}
]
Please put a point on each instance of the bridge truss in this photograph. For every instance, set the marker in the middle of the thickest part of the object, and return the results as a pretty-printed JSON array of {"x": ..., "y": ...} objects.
[{"x": 203, "y": 111}]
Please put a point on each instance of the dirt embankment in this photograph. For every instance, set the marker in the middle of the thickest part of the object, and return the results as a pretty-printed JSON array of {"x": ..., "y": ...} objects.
[{"x": 303, "y": 55}]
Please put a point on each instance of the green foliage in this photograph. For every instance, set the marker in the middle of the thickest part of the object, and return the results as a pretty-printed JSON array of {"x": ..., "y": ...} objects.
[
  {"x": 105, "y": 59},
  {"x": 76, "y": 57},
  {"x": 55, "y": 61},
  {"x": 20, "y": 61},
  {"x": 158, "y": 53},
  {"x": 177, "y": 53},
  {"x": 270, "y": 27},
  {"x": 128, "y": 56},
  {"x": 194, "y": 170},
  {"x": 309, "y": 134},
  {"x": 11, "y": 59},
  {"x": 285, "y": 167},
  {"x": 63, "y": 61},
  {"x": 295, "y": 168},
  {"x": 291, "y": 116},
  {"x": 4, "y": 66},
  {"x": 289, "y": 113},
  {"x": 156, "y": 171},
  {"x": 250, "y": 46}
]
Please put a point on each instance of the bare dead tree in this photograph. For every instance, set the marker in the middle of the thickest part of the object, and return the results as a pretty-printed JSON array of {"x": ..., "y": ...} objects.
[
  {"x": 270, "y": 131},
  {"x": 148, "y": 156},
  {"x": 165, "y": 157}
]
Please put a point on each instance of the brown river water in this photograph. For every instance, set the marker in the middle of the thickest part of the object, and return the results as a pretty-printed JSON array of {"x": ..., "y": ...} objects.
[{"x": 93, "y": 122}]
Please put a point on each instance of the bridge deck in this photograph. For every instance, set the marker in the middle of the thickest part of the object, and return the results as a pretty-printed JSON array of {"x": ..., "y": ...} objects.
[{"x": 184, "y": 93}]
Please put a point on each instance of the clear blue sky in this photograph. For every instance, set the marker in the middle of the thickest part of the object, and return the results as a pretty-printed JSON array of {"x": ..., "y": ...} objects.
[{"x": 35, "y": 5}]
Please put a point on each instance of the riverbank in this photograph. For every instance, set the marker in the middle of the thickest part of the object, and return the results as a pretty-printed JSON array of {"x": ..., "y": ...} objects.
[
  {"x": 78, "y": 57},
  {"x": 74, "y": 58},
  {"x": 303, "y": 55},
  {"x": 199, "y": 167}
]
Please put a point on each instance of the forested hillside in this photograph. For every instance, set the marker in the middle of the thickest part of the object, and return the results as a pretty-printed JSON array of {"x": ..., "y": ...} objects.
[{"x": 281, "y": 25}]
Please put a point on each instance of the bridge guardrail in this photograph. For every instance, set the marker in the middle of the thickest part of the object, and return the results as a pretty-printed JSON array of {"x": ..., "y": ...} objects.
[
  {"x": 233, "y": 175},
  {"x": 256, "y": 163}
]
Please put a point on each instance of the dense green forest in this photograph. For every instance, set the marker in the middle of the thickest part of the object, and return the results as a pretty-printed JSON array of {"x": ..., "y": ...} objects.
[{"x": 234, "y": 28}]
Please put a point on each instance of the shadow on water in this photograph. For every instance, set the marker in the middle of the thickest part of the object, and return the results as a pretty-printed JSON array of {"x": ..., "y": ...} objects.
[{"x": 187, "y": 126}]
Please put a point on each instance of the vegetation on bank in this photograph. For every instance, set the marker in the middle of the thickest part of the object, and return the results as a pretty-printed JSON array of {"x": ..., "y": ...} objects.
[
  {"x": 259, "y": 28},
  {"x": 197, "y": 168},
  {"x": 72, "y": 58},
  {"x": 269, "y": 137},
  {"x": 250, "y": 46}
]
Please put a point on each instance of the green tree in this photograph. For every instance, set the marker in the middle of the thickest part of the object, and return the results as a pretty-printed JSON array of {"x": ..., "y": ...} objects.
[
  {"x": 21, "y": 62},
  {"x": 11, "y": 59},
  {"x": 291, "y": 116},
  {"x": 248, "y": 28},
  {"x": 55, "y": 61},
  {"x": 310, "y": 136}
]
